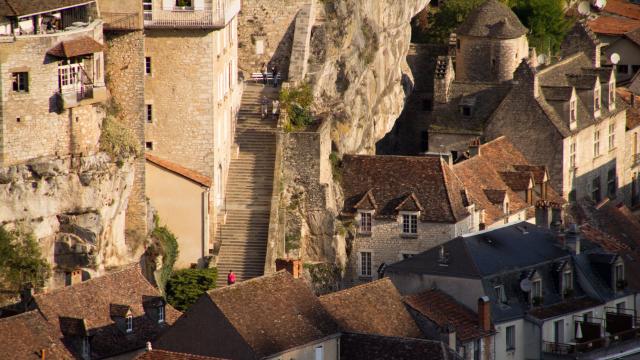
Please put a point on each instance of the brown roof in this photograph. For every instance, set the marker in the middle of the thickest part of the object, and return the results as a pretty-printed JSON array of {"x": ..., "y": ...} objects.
[
  {"x": 633, "y": 112},
  {"x": 623, "y": 8},
  {"x": 90, "y": 303},
  {"x": 24, "y": 336},
  {"x": 634, "y": 36},
  {"x": 613, "y": 25},
  {"x": 444, "y": 310},
  {"x": 170, "y": 355},
  {"x": 179, "y": 169},
  {"x": 492, "y": 19},
  {"x": 366, "y": 346},
  {"x": 517, "y": 180},
  {"x": 75, "y": 47},
  {"x": 563, "y": 308},
  {"x": 372, "y": 308},
  {"x": 29, "y": 7},
  {"x": 391, "y": 180}
]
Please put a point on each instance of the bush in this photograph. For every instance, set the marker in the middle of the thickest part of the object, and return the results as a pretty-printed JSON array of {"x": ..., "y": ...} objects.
[
  {"x": 186, "y": 286},
  {"x": 296, "y": 103},
  {"x": 21, "y": 261},
  {"x": 336, "y": 166},
  {"x": 169, "y": 247},
  {"x": 117, "y": 140}
]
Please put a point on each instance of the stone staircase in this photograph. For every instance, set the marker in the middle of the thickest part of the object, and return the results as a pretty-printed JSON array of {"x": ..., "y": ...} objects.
[{"x": 244, "y": 234}]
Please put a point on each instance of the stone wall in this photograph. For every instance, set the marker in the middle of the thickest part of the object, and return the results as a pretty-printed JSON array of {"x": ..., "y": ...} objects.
[
  {"x": 300, "y": 50},
  {"x": 480, "y": 59},
  {"x": 124, "y": 68},
  {"x": 270, "y": 21}
]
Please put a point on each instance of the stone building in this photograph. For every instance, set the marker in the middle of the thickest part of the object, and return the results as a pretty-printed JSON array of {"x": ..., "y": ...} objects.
[
  {"x": 191, "y": 88},
  {"x": 400, "y": 206},
  {"x": 632, "y": 149},
  {"x": 52, "y": 79}
]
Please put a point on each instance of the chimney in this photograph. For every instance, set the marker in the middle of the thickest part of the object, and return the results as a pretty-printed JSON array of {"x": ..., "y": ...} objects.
[
  {"x": 474, "y": 147},
  {"x": 543, "y": 215},
  {"x": 76, "y": 276},
  {"x": 484, "y": 313},
  {"x": 449, "y": 336},
  {"x": 533, "y": 57},
  {"x": 573, "y": 239},
  {"x": 292, "y": 266},
  {"x": 43, "y": 354}
]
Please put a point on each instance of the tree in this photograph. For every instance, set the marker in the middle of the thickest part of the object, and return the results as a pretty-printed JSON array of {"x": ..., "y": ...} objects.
[
  {"x": 186, "y": 286},
  {"x": 21, "y": 261},
  {"x": 546, "y": 22}
]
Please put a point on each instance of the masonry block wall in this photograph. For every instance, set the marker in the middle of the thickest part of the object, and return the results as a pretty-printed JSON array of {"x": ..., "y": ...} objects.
[
  {"x": 124, "y": 68},
  {"x": 32, "y": 125},
  {"x": 270, "y": 23},
  {"x": 480, "y": 59},
  {"x": 631, "y": 164}
]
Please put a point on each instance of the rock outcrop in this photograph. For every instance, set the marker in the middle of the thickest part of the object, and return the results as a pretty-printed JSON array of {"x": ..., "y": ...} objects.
[
  {"x": 359, "y": 68},
  {"x": 75, "y": 208}
]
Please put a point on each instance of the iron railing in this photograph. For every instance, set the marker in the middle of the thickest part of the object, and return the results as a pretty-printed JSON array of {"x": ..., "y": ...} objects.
[
  {"x": 210, "y": 16},
  {"x": 116, "y": 21}
]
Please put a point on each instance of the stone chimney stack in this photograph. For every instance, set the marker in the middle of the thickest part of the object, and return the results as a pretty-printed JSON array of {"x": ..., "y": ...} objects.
[
  {"x": 543, "y": 215},
  {"x": 573, "y": 239},
  {"x": 474, "y": 147},
  {"x": 444, "y": 76},
  {"x": 484, "y": 313},
  {"x": 292, "y": 266},
  {"x": 533, "y": 57}
]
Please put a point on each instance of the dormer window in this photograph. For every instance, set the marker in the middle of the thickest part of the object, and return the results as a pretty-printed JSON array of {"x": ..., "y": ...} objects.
[
  {"x": 465, "y": 110},
  {"x": 501, "y": 297},
  {"x": 572, "y": 111},
  {"x": 596, "y": 99},
  {"x": 365, "y": 222},
  {"x": 612, "y": 95},
  {"x": 161, "y": 314},
  {"x": 410, "y": 223},
  {"x": 618, "y": 275},
  {"x": 129, "y": 324},
  {"x": 536, "y": 292},
  {"x": 567, "y": 282}
]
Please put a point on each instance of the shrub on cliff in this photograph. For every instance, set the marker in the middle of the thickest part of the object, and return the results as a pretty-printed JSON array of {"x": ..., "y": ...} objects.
[
  {"x": 21, "y": 261},
  {"x": 169, "y": 248},
  {"x": 295, "y": 103},
  {"x": 117, "y": 140},
  {"x": 186, "y": 286}
]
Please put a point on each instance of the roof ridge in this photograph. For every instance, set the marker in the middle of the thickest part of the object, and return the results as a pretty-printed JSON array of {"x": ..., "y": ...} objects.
[
  {"x": 249, "y": 281},
  {"x": 127, "y": 267},
  {"x": 446, "y": 187},
  {"x": 359, "y": 286}
]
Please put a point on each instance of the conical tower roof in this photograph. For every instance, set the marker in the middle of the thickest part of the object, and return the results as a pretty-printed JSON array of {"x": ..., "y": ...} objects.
[{"x": 492, "y": 19}]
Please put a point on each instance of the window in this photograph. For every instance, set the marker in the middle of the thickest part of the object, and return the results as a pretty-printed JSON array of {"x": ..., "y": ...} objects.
[
  {"x": 612, "y": 136},
  {"x": 596, "y": 99},
  {"x": 596, "y": 143},
  {"x": 620, "y": 307},
  {"x": 635, "y": 68},
  {"x": 622, "y": 68},
  {"x": 536, "y": 290},
  {"x": 588, "y": 316},
  {"x": 572, "y": 111},
  {"x": 409, "y": 224},
  {"x": 619, "y": 272},
  {"x": 160, "y": 314},
  {"x": 86, "y": 347},
  {"x": 319, "y": 353},
  {"x": 500, "y": 295},
  {"x": 147, "y": 8},
  {"x": 511, "y": 338},
  {"x": 183, "y": 3},
  {"x": 365, "y": 222},
  {"x": 572, "y": 155},
  {"x": 129, "y": 323},
  {"x": 465, "y": 110},
  {"x": 612, "y": 95},
  {"x": 148, "y": 145},
  {"x": 365, "y": 263},
  {"x": 567, "y": 281},
  {"x": 149, "y": 113},
  {"x": 611, "y": 183},
  {"x": 595, "y": 189},
  {"x": 476, "y": 349},
  {"x": 558, "y": 331},
  {"x": 147, "y": 65},
  {"x": 20, "y": 81}
]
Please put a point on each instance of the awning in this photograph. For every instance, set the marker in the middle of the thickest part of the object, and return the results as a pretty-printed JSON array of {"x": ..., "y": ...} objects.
[{"x": 75, "y": 47}]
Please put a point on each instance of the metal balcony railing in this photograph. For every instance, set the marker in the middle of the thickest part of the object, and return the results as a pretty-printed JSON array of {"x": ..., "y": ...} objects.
[
  {"x": 215, "y": 15},
  {"x": 115, "y": 21}
]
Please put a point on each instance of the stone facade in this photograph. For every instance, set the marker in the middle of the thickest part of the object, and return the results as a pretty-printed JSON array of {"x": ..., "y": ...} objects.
[{"x": 488, "y": 59}]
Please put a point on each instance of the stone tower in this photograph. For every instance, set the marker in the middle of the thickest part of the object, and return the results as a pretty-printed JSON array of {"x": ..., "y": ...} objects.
[{"x": 491, "y": 43}]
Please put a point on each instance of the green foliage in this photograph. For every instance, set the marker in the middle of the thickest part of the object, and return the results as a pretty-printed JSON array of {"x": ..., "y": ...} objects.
[
  {"x": 291, "y": 242},
  {"x": 336, "y": 166},
  {"x": 186, "y": 286},
  {"x": 296, "y": 103},
  {"x": 21, "y": 261},
  {"x": 117, "y": 140},
  {"x": 325, "y": 277},
  {"x": 169, "y": 246}
]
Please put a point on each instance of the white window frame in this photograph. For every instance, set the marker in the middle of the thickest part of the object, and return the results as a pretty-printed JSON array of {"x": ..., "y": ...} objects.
[
  {"x": 411, "y": 225},
  {"x": 596, "y": 143},
  {"x": 510, "y": 338},
  {"x": 567, "y": 284},
  {"x": 129, "y": 323},
  {"x": 573, "y": 114},
  {"x": 501, "y": 296},
  {"x": 612, "y": 135},
  {"x": 536, "y": 289},
  {"x": 361, "y": 265},
  {"x": 597, "y": 100},
  {"x": 318, "y": 352},
  {"x": 160, "y": 314},
  {"x": 573, "y": 145},
  {"x": 363, "y": 216}
]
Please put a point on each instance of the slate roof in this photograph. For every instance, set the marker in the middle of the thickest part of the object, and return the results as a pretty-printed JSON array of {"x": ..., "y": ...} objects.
[
  {"x": 89, "y": 305},
  {"x": 565, "y": 307},
  {"x": 492, "y": 19},
  {"x": 557, "y": 93},
  {"x": 444, "y": 310},
  {"x": 28, "y": 7},
  {"x": 390, "y": 180},
  {"x": 366, "y": 346},
  {"x": 634, "y": 36},
  {"x": 371, "y": 308},
  {"x": 170, "y": 355},
  {"x": 179, "y": 170},
  {"x": 23, "y": 336},
  {"x": 75, "y": 47}
]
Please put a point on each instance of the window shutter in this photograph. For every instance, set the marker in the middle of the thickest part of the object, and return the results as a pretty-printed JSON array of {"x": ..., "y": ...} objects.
[
  {"x": 198, "y": 4},
  {"x": 168, "y": 4}
]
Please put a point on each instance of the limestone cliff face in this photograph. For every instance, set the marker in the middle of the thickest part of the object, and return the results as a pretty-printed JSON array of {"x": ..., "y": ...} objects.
[
  {"x": 74, "y": 207},
  {"x": 359, "y": 68}
]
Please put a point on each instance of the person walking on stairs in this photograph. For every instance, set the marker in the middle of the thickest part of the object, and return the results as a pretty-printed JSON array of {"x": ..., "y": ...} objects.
[
  {"x": 275, "y": 76},
  {"x": 231, "y": 278},
  {"x": 264, "y": 107}
]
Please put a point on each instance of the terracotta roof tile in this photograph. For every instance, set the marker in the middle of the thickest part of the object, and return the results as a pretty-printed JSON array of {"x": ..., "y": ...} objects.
[
  {"x": 391, "y": 179},
  {"x": 517, "y": 180},
  {"x": 623, "y": 8},
  {"x": 89, "y": 305},
  {"x": 492, "y": 19},
  {"x": 611, "y": 25},
  {"x": 633, "y": 112},
  {"x": 444, "y": 310},
  {"x": 75, "y": 47},
  {"x": 372, "y": 308},
  {"x": 24, "y": 336},
  {"x": 179, "y": 169},
  {"x": 170, "y": 355}
]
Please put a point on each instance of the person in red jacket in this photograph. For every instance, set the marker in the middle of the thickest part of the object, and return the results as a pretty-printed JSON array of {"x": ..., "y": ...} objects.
[{"x": 231, "y": 278}]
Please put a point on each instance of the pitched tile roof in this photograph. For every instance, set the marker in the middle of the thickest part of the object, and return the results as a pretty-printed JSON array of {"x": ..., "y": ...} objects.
[
  {"x": 366, "y": 346},
  {"x": 623, "y": 8},
  {"x": 28, "y": 7},
  {"x": 444, "y": 310},
  {"x": 252, "y": 319},
  {"x": 634, "y": 36},
  {"x": 179, "y": 169},
  {"x": 492, "y": 19},
  {"x": 75, "y": 47},
  {"x": 89, "y": 303},
  {"x": 633, "y": 111},
  {"x": 613, "y": 25},
  {"x": 24, "y": 336},
  {"x": 371, "y": 308},
  {"x": 564, "y": 307},
  {"x": 391, "y": 180},
  {"x": 170, "y": 355},
  {"x": 517, "y": 180}
]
